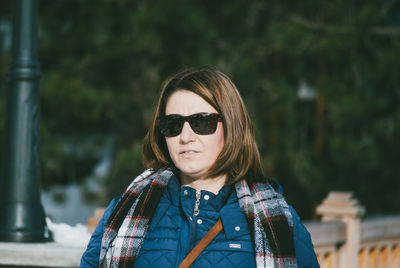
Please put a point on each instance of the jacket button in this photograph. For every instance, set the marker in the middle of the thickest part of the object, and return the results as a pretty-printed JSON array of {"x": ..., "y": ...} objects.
[
  {"x": 237, "y": 228},
  {"x": 199, "y": 221},
  {"x": 206, "y": 197},
  {"x": 185, "y": 192}
]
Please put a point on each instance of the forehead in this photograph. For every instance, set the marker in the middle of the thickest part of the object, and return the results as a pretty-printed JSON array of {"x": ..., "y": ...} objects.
[{"x": 185, "y": 102}]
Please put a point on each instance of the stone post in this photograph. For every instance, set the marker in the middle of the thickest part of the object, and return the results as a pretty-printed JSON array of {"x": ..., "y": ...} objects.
[{"x": 341, "y": 206}]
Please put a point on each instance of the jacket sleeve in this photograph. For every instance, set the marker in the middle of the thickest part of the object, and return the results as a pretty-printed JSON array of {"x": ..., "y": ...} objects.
[
  {"x": 303, "y": 245},
  {"x": 90, "y": 257}
]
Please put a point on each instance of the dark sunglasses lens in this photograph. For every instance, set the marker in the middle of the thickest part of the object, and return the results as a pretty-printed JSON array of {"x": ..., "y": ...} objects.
[
  {"x": 204, "y": 124},
  {"x": 171, "y": 125},
  {"x": 201, "y": 123}
]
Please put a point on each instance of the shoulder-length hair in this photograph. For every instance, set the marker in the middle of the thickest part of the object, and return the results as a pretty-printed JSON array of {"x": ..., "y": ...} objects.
[{"x": 239, "y": 157}]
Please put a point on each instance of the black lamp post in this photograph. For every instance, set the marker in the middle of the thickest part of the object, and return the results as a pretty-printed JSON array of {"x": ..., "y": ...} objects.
[{"x": 21, "y": 212}]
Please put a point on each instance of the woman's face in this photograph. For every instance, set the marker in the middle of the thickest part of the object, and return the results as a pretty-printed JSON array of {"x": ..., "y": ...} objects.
[{"x": 192, "y": 154}]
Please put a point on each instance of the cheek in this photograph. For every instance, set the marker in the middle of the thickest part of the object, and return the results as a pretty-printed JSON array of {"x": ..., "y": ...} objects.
[
  {"x": 218, "y": 141},
  {"x": 171, "y": 145}
]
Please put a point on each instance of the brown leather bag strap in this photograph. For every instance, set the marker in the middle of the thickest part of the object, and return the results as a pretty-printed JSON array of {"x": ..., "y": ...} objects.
[{"x": 210, "y": 235}]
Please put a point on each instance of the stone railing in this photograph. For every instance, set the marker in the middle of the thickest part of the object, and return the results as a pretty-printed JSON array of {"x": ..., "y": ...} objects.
[
  {"x": 53, "y": 254},
  {"x": 343, "y": 240}
]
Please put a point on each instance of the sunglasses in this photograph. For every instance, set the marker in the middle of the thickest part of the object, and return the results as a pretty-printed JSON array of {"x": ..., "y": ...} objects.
[{"x": 201, "y": 123}]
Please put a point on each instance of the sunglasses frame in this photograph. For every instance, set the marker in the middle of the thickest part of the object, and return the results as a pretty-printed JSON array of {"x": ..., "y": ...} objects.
[{"x": 206, "y": 129}]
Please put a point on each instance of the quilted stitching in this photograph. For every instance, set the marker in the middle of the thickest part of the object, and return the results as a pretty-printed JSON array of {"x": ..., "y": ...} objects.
[
  {"x": 224, "y": 259},
  {"x": 163, "y": 248}
]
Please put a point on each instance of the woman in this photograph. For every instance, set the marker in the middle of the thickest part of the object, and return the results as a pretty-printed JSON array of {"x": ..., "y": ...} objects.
[{"x": 204, "y": 165}]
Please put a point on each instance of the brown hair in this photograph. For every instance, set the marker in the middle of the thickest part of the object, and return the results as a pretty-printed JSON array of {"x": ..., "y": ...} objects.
[{"x": 239, "y": 157}]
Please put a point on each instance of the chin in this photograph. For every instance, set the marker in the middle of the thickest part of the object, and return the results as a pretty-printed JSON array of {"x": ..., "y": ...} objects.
[{"x": 194, "y": 175}]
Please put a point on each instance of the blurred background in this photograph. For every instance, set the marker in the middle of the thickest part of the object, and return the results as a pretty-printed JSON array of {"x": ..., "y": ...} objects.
[{"x": 320, "y": 80}]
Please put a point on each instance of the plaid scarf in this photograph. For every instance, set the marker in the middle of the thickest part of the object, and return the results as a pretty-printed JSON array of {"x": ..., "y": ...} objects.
[{"x": 267, "y": 213}]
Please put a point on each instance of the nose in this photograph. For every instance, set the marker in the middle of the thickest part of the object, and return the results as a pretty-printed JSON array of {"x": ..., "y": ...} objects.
[{"x": 187, "y": 133}]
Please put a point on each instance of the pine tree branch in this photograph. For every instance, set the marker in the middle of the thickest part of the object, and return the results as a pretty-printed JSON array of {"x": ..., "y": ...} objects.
[{"x": 318, "y": 26}]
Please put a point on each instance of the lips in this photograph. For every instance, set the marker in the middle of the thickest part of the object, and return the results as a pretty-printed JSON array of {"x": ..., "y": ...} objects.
[{"x": 188, "y": 152}]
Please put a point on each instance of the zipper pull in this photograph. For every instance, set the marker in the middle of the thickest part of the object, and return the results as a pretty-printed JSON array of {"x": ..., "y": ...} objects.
[
  {"x": 193, "y": 224},
  {"x": 197, "y": 204}
]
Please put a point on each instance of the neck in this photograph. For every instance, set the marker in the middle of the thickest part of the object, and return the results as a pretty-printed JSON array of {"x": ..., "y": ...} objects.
[{"x": 209, "y": 184}]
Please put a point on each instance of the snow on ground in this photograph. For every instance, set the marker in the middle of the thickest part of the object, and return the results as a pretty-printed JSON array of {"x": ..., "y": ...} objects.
[
  {"x": 67, "y": 220},
  {"x": 67, "y": 235}
]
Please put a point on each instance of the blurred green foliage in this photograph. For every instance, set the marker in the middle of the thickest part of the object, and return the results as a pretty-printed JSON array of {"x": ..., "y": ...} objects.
[{"x": 103, "y": 63}]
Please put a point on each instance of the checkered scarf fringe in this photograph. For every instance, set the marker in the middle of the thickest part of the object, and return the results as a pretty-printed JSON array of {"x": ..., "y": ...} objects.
[{"x": 268, "y": 216}]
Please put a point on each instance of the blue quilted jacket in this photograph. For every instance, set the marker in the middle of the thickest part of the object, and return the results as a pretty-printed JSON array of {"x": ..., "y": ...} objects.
[{"x": 174, "y": 231}]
